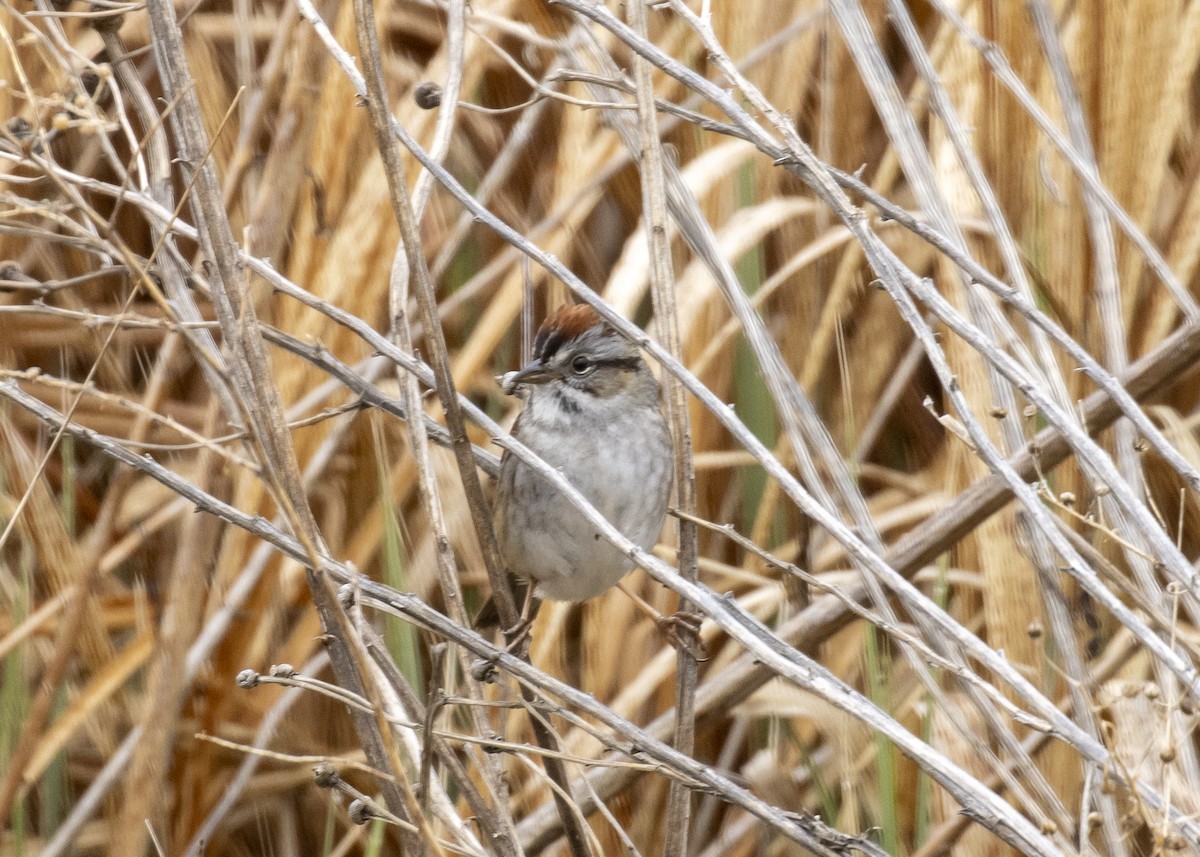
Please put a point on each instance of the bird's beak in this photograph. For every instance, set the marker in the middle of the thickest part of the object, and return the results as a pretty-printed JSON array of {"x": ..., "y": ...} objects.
[{"x": 533, "y": 372}]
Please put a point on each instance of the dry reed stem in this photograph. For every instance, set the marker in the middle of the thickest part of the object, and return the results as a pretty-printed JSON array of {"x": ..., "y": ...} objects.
[{"x": 662, "y": 282}]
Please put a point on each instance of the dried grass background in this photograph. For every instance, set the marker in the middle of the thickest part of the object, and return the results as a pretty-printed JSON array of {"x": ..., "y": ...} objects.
[{"x": 1039, "y": 672}]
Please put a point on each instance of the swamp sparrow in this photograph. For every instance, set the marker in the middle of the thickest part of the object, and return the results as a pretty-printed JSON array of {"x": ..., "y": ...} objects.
[{"x": 592, "y": 411}]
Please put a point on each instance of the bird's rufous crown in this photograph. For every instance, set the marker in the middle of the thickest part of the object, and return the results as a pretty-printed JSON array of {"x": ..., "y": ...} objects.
[{"x": 563, "y": 325}]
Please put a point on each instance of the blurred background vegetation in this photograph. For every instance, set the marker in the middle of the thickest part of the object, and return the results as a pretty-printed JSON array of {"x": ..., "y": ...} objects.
[{"x": 108, "y": 578}]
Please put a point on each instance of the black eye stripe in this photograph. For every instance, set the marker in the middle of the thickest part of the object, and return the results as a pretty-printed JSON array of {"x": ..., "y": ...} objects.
[{"x": 618, "y": 362}]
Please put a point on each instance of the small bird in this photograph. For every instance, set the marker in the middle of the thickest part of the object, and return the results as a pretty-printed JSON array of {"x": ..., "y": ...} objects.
[{"x": 592, "y": 410}]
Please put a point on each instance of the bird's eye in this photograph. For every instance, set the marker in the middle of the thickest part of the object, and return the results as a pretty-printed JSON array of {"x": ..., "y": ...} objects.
[{"x": 580, "y": 365}]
